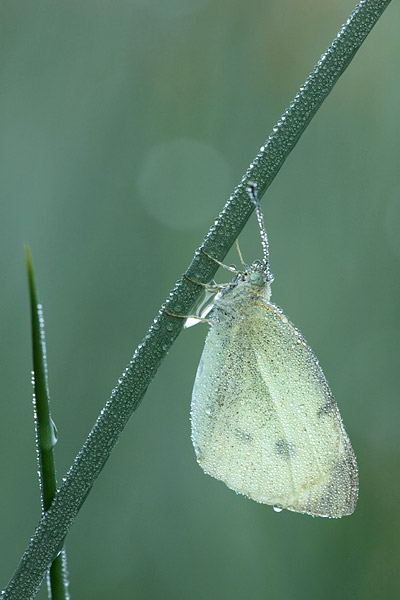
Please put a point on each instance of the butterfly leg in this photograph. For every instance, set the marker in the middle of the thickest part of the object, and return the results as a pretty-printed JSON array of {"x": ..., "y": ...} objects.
[
  {"x": 221, "y": 264},
  {"x": 209, "y": 287},
  {"x": 170, "y": 314},
  {"x": 240, "y": 254}
]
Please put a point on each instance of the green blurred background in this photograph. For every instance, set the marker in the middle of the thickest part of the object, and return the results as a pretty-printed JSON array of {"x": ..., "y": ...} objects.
[{"x": 103, "y": 103}]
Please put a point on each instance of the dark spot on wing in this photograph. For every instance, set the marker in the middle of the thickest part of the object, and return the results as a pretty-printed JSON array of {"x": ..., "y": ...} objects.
[
  {"x": 326, "y": 409},
  {"x": 285, "y": 449}
]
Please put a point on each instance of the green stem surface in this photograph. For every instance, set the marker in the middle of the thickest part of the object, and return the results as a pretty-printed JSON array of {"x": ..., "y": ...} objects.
[{"x": 52, "y": 529}]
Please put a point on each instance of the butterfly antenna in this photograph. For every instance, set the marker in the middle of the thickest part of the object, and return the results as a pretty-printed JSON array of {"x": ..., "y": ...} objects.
[{"x": 252, "y": 192}]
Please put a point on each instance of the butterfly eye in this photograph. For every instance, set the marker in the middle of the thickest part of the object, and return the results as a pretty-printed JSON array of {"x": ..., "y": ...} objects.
[{"x": 257, "y": 278}]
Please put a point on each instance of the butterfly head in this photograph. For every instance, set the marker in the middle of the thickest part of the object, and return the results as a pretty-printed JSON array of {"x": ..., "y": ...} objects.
[{"x": 257, "y": 279}]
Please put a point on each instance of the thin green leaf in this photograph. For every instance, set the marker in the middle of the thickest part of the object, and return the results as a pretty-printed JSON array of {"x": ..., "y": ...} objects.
[
  {"x": 54, "y": 526},
  {"x": 45, "y": 429}
]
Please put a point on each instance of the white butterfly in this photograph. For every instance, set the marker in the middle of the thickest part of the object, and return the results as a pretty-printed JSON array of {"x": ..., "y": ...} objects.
[{"x": 264, "y": 420}]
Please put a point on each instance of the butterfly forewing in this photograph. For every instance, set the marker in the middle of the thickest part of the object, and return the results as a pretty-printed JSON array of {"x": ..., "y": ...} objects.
[{"x": 263, "y": 418}]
